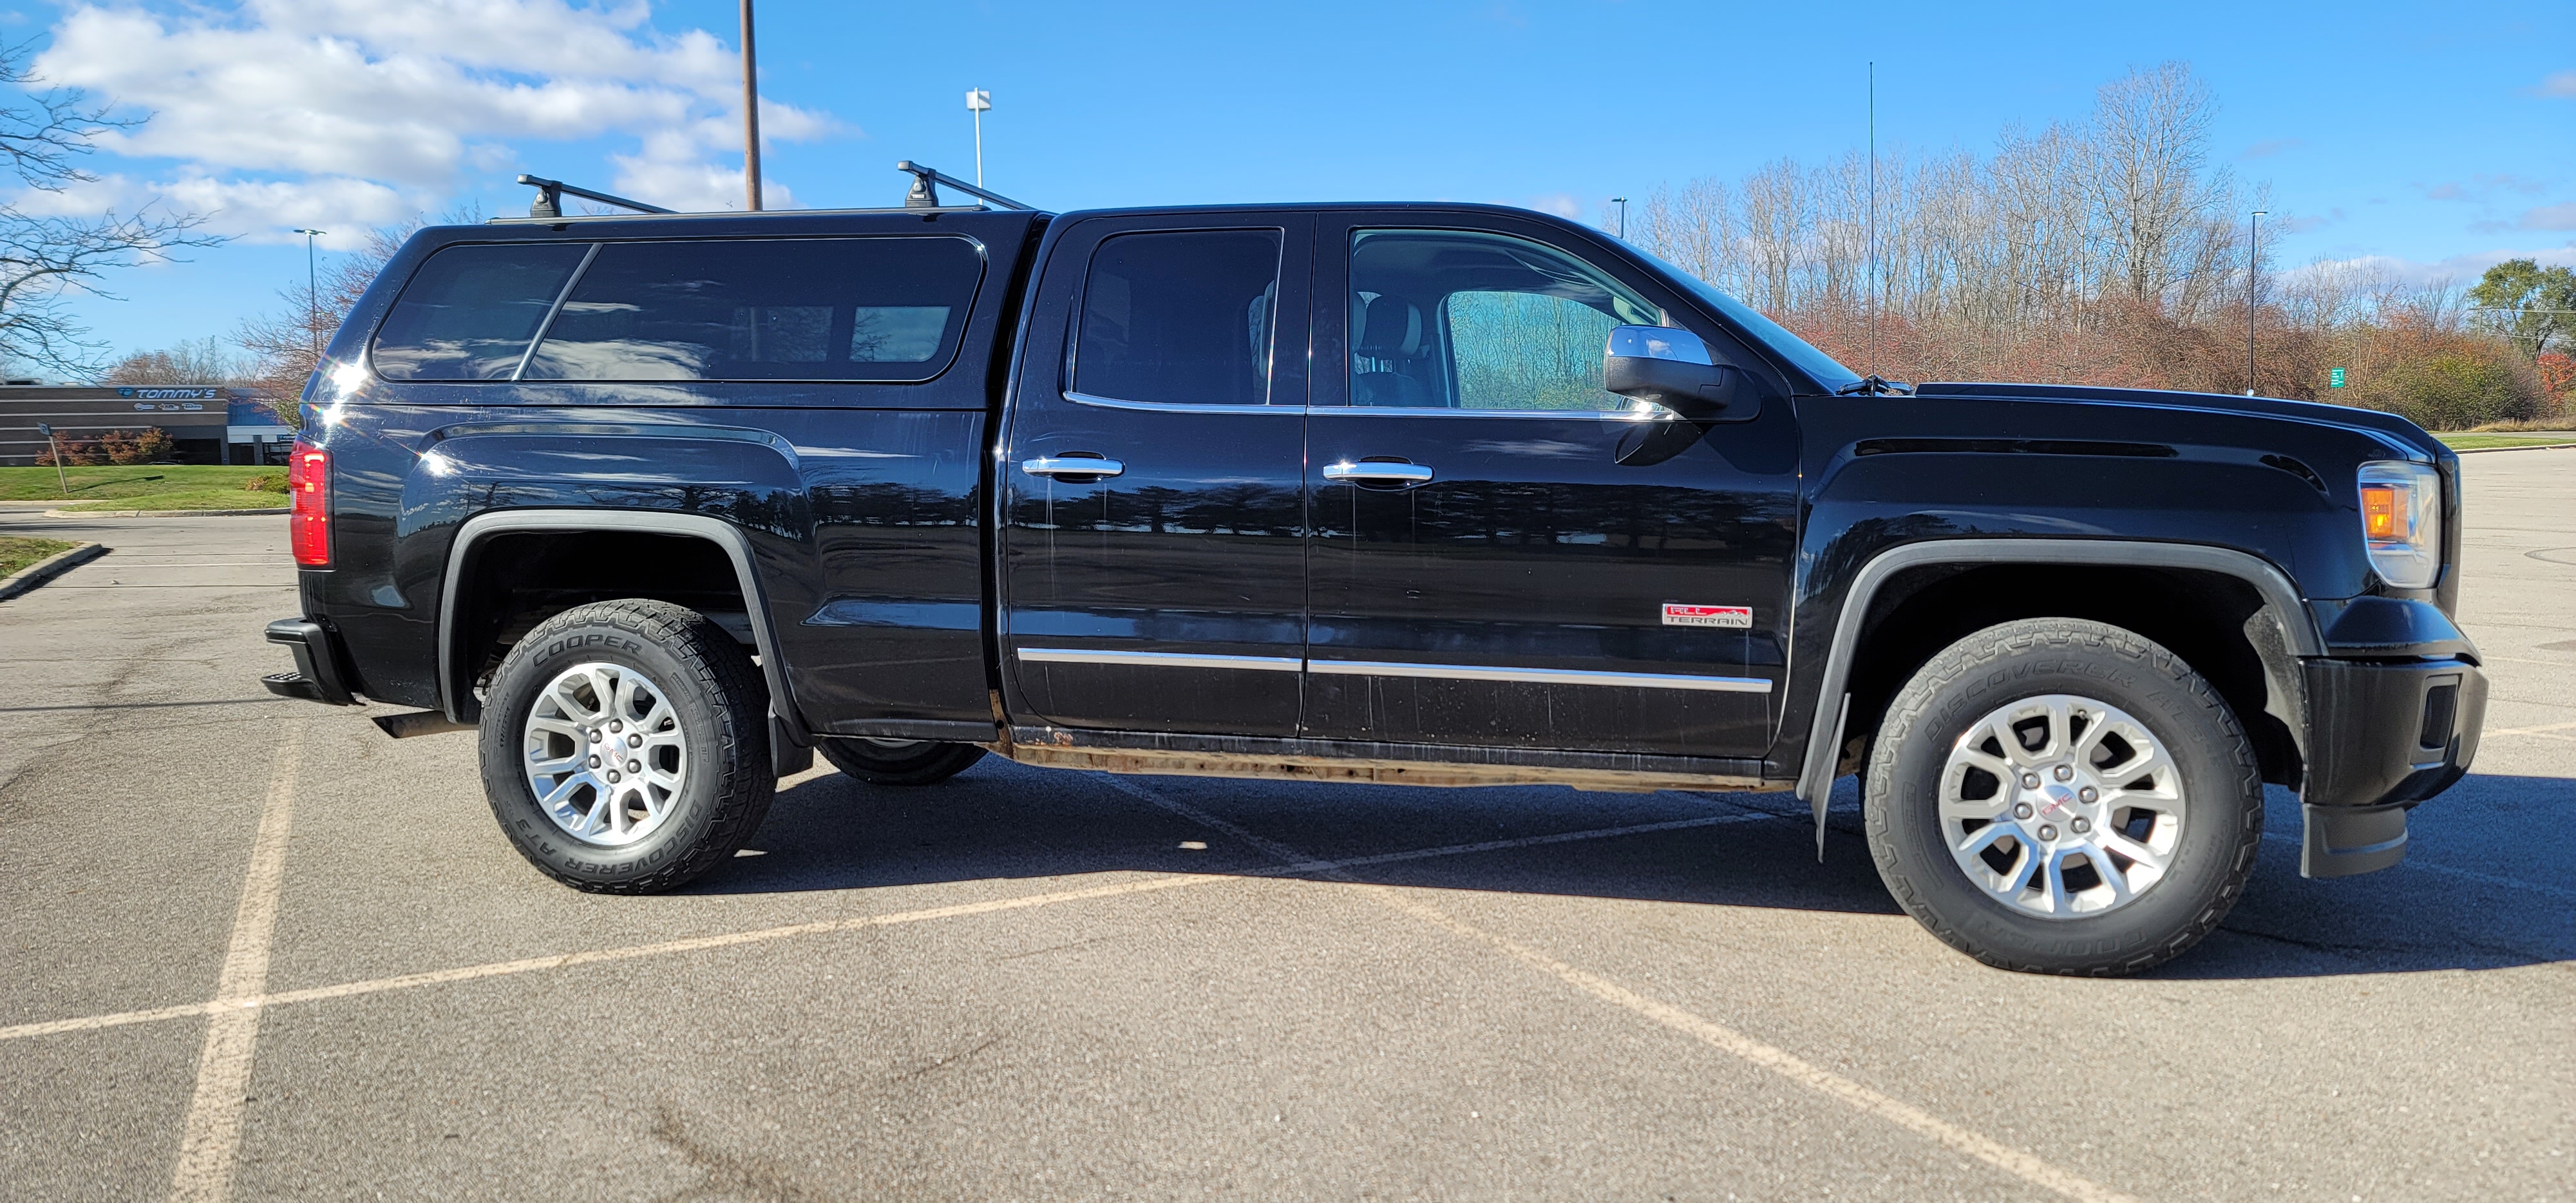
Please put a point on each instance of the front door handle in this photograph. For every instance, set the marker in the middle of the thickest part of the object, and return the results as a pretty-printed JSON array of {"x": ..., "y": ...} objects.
[
  {"x": 1072, "y": 465},
  {"x": 1374, "y": 473}
]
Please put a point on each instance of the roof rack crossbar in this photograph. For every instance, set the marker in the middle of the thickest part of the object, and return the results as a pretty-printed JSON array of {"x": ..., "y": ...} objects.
[
  {"x": 550, "y": 194},
  {"x": 925, "y": 191}
]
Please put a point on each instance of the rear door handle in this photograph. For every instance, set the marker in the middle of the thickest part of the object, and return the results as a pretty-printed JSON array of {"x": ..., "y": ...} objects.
[
  {"x": 1373, "y": 473},
  {"x": 1079, "y": 465}
]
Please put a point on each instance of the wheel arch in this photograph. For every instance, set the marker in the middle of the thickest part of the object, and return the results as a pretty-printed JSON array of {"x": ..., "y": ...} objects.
[
  {"x": 1891, "y": 607},
  {"x": 457, "y": 648}
]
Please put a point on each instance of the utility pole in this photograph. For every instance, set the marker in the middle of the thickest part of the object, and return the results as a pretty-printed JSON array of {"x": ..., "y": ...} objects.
[
  {"x": 1869, "y": 262},
  {"x": 750, "y": 116},
  {"x": 312, "y": 295},
  {"x": 979, "y": 102},
  {"x": 2253, "y": 264},
  {"x": 1622, "y": 202}
]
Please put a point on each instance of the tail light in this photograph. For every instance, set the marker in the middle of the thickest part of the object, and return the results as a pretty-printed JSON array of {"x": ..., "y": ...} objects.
[{"x": 308, "y": 478}]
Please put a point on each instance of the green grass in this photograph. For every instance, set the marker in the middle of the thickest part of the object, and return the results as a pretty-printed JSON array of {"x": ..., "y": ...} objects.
[
  {"x": 18, "y": 551},
  {"x": 2480, "y": 442},
  {"x": 147, "y": 487}
]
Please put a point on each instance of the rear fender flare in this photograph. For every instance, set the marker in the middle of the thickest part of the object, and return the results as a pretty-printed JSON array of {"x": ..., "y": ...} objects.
[{"x": 455, "y": 694}]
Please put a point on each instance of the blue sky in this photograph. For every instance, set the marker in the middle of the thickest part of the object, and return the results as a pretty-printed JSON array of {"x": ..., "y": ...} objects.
[{"x": 2437, "y": 137}]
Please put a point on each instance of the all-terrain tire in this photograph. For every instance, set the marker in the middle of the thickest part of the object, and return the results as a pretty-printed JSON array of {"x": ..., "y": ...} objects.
[
  {"x": 2221, "y": 825},
  {"x": 915, "y": 763},
  {"x": 721, "y": 708}
]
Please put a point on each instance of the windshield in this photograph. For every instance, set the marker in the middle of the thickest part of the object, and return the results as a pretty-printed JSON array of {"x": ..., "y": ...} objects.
[{"x": 1827, "y": 370}]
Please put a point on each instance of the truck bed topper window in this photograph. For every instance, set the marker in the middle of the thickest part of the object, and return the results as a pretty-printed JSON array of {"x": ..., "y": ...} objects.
[{"x": 878, "y": 309}]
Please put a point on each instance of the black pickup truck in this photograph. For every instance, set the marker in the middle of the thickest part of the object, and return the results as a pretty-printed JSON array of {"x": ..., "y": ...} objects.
[{"x": 1431, "y": 494}]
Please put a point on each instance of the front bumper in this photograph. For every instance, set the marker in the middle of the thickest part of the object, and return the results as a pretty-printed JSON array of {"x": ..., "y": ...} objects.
[
  {"x": 317, "y": 676},
  {"x": 2382, "y": 736}
]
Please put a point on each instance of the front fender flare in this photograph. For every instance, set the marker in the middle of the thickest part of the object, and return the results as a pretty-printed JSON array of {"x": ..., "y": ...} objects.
[{"x": 1833, "y": 704}]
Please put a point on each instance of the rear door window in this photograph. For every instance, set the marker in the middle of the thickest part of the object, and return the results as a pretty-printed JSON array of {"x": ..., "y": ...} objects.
[
  {"x": 880, "y": 309},
  {"x": 1182, "y": 318},
  {"x": 469, "y": 311}
]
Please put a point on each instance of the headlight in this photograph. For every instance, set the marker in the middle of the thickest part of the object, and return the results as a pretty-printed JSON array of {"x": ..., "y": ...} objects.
[{"x": 2401, "y": 521}]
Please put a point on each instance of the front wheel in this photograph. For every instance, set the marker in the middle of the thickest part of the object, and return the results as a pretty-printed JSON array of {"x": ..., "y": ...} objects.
[
  {"x": 898, "y": 761},
  {"x": 2062, "y": 796},
  {"x": 626, "y": 746}
]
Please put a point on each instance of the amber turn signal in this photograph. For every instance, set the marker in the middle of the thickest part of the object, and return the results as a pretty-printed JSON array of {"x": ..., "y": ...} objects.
[{"x": 2379, "y": 512}]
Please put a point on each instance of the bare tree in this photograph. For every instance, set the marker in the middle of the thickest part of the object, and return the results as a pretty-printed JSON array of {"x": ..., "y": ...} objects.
[
  {"x": 45, "y": 258},
  {"x": 203, "y": 361}
]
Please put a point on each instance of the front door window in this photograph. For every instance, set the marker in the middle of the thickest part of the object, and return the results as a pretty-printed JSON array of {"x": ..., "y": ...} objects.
[{"x": 1467, "y": 320}]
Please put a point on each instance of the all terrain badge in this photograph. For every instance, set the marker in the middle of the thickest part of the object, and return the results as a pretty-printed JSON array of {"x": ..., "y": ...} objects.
[{"x": 1676, "y": 614}]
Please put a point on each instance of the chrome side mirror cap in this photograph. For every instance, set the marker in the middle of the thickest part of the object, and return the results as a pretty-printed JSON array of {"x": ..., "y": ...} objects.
[
  {"x": 1659, "y": 342},
  {"x": 1672, "y": 368}
]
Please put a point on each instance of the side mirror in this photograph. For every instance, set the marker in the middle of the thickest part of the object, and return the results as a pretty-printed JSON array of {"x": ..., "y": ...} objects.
[{"x": 1672, "y": 368}]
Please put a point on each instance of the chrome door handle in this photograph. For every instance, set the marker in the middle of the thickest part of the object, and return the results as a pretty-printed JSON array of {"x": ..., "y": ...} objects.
[
  {"x": 1379, "y": 474},
  {"x": 1054, "y": 466}
]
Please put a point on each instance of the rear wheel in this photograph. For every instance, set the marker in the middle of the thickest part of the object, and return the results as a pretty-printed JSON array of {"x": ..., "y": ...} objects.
[
  {"x": 625, "y": 746},
  {"x": 2062, "y": 796},
  {"x": 898, "y": 761}
]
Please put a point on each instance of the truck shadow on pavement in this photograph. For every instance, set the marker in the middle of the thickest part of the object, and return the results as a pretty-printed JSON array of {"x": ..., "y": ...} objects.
[{"x": 2472, "y": 896}]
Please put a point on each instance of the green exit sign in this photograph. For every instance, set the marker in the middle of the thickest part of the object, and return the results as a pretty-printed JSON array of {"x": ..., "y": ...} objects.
[{"x": 2335, "y": 378}]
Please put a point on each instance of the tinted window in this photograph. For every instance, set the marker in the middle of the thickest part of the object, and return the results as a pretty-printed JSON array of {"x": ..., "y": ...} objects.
[
  {"x": 1463, "y": 320},
  {"x": 1180, "y": 318},
  {"x": 469, "y": 312},
  {"x": 782, "y": 309}
]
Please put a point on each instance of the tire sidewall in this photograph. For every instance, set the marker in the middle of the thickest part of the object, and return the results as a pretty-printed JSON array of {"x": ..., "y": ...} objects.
[
  {"x": 515, "y": 688},
  {"x": 2147, "y": 682}
]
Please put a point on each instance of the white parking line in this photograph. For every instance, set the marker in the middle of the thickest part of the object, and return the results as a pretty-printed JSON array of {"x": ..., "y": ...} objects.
[
  {"x": 467, "y": 973},
  {"x": 1778, "y": 1060},
  {"x": 211, "y": 1134},
  {"x": 2545, "y": 731}
]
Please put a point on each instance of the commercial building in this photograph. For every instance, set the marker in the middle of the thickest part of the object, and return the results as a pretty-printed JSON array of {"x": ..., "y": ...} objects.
[{"x": 208, "y": 424}]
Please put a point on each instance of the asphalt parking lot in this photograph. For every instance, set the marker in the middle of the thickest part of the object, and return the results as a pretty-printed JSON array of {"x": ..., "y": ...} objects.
[{"x": 256, "y": 947}]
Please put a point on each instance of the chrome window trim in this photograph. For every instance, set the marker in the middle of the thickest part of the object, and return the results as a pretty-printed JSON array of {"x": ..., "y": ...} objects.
[
  {"x": 1160, "y": 407},
  {"x": 1442, "y": 411},
  {"x": 1538, "y": 676},
  {"x": 1070, "y": 655}
]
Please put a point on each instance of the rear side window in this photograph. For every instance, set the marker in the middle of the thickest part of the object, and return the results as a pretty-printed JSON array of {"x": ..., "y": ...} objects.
[
  {"x": 884, "y": 309},
  {"x": 469, "y": 311},
  {"x": 1181, "y": 318}
]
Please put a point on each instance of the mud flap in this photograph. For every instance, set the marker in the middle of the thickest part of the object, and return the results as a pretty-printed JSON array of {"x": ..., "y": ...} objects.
[
  {"x": 788, "y": 756},
  {"x": 1818, "y": 781}
]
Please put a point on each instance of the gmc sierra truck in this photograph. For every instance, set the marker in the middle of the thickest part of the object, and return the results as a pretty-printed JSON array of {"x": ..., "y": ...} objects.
[{"x": 1431, "y": 494}]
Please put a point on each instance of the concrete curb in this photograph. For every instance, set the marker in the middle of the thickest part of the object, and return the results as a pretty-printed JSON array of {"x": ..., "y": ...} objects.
[
  {"x": 162, "y": 513},
  {"x": 48, "y": 568},
  {"x": 2524, "y": 447}
]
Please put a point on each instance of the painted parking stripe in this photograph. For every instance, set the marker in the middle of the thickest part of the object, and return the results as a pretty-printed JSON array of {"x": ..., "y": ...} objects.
[
  {"x": 1778, "y": 1060},
  {"x": 211, "y": 1134},
  {"x": 467, "y": 973}
]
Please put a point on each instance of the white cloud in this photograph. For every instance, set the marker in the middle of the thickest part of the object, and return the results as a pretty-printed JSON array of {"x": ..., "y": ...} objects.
[
  {"x": 2561, "y": 84},
  {"x": 2550, "y": 217},
  {"x": 2454, "y": 270},
  {"x": 290, "y": 112}
]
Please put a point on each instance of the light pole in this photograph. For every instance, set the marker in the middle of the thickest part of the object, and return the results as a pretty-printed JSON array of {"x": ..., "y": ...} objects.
[
  {"x": 312, "y": 294},
  {"x": 979, "y": 102},
  {"x": 1622, "y": 202},
  {"x": 750, "y": 117},
  {"x": 2253, "y": 264}
]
